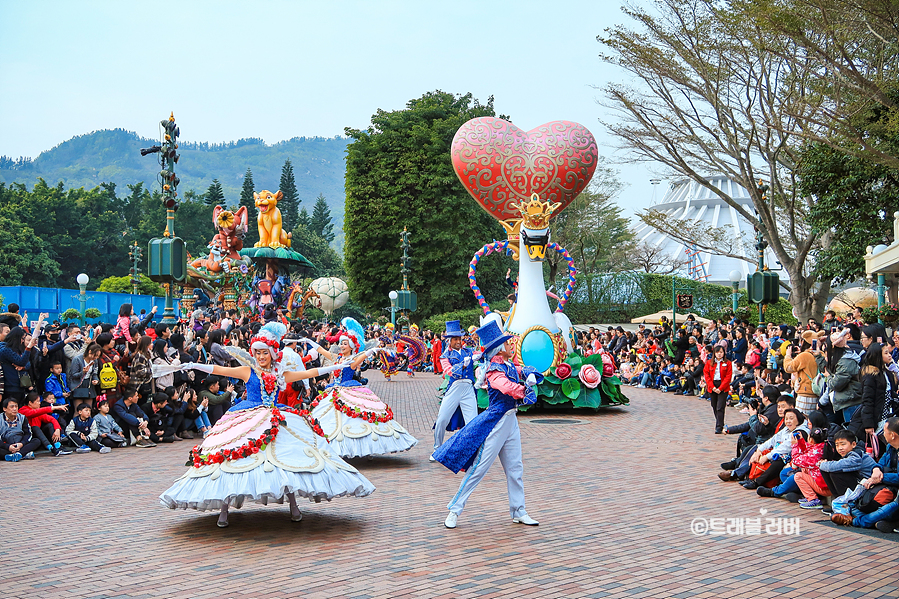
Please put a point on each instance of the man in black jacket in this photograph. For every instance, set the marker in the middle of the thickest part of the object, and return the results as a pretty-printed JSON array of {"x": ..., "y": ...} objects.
[
  {"x": 158, "y": 413},
  {"x": 131, "y": 418},
  {"x": 16, "y": 441}
]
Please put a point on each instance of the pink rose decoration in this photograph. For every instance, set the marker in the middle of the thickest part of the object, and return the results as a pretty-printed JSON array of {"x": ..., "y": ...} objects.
[
  {"x": 589, "y": 376},
  {"x": 563, "y": 371}
]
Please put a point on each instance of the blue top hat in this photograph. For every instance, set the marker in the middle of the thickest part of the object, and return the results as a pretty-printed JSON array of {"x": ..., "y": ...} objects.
[
  {"x": 453, "y": 329},
  {"x": 492, "y": 336}
]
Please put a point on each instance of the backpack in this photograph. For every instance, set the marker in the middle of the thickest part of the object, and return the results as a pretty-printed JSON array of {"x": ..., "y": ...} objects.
[{"x": 108, "y": 377}]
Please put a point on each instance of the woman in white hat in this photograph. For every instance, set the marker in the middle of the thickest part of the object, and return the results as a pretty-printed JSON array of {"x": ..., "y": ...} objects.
[{"x": 261, "y": 450}]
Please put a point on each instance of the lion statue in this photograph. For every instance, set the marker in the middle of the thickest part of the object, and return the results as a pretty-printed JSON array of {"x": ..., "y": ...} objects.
[{"x": 271, "y": 233}]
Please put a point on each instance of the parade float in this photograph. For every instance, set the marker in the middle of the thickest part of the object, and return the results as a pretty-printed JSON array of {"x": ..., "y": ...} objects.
[
  {"x": 523, "y": 179},
  {"x": 246, "y": 278}
]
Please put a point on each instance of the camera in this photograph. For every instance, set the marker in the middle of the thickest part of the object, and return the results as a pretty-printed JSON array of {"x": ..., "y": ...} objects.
[{"x": 754, "y": 404}]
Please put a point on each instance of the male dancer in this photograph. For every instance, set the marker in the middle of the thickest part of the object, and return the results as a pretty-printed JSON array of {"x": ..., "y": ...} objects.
[
  {"x": 458, "y": 363},
  {"x": 495, "y": 431}
]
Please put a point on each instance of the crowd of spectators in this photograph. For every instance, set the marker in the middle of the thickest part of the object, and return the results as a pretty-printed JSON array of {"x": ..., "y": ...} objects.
[{"x": 819, "y": 404}]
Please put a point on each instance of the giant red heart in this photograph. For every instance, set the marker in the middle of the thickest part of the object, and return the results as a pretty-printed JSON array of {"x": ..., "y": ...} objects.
[{"x": 499, "y": 164}]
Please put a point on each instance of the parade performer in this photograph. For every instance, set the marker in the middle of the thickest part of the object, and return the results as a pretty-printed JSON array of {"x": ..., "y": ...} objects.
[
  {"x": 356, "y": 422},
  {"x": 261, "y": 450},
  {"x": 458, "y": 363},
  {"x": 389, "y": 360},
  {"x": 495, "y": 431}
]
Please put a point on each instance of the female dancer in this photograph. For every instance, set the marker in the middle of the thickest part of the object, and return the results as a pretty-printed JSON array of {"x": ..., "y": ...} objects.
[
  {"x": 260, "y": 450},
  {"x": 356, "y": 422}
]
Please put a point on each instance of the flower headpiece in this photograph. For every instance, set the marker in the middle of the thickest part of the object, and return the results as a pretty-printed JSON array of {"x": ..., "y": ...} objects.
[{"x": 269, "y": 337}]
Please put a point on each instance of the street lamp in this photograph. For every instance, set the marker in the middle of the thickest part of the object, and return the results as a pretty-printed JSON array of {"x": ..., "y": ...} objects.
[
  {"x": 735, "y": 277},
  {"x": 82, "y": 280},
  {"x": 393, "y": 295}
]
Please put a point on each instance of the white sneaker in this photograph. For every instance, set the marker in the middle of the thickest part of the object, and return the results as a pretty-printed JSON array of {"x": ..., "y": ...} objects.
[
  {"x": 525, "y": 519},
  {"x": 641, "y": 386},
  {"x": 450, "y": 521},
  {"x": 431, "y": 458},
  {"x": 105, "y": 449}
]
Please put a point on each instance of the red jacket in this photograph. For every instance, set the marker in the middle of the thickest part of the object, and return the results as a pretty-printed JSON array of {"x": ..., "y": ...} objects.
[
  {"x": 726, "y": 374},
  {"x": 38, "y": 416}
]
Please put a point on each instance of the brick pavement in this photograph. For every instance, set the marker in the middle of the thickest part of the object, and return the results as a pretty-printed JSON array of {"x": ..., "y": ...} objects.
[{"x": 614, "y": 495}]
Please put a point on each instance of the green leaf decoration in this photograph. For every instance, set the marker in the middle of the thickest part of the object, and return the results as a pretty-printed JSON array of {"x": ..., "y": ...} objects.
[
  {"x": 571, "y": 387},
  {"x": 550, "y": 378},
  {"x": 575, "y": 360},
  {"x": 594, "y": 359}
]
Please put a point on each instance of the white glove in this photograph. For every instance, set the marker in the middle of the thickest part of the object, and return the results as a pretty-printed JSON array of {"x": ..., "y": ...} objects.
[
  {"x": 311, "y": 343},
  {"x": 466, "y": 361},
  {"x": 476, "y": 356},
  {"x": 207, "y": 368},
  {"x": 375, "y": 350},
  {"x": 531, "y": 380},
  {"x": 329, "y": 369}
]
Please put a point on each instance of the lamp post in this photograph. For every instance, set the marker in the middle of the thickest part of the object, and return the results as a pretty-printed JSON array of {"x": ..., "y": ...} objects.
[
  {"x": 735, "y": 277},
  {"x": 82, "y": 280},
  {"x": 393, "y": 295}
]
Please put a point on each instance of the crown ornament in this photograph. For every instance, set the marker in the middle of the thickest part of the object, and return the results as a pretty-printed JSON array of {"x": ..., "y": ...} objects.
[{"x": 535, "y": 214}]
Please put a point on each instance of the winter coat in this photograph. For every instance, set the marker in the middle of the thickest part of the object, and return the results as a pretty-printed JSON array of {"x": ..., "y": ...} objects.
[
  {"x": 807, "y": 456},
  {"x": 726, "y": 374},
  {"x": 9, "y": 359},
  {"x": 805, "y": 368},
  {"x": 781, "y": 444},
  {"x": 862, "y": 463},
  {"x": 762, "y": 431},
  {"x": 88, "y": 427},
  {"x": 874, "y": 391},
  {"x": 17, "y": 432},
  {"x": 844, "y": 383}
]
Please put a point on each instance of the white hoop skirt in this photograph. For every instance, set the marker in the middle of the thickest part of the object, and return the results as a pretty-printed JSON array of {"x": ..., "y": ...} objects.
[
  {"x": 296, "y": 460},
  {"x": 370, "y": 431}
]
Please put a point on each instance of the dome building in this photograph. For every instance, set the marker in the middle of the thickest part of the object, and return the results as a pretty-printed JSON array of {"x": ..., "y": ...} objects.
[{"x": 687, "y": 199}]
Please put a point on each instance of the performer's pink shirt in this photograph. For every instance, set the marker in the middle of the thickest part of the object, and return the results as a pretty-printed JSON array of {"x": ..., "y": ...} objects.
[{"x": 501, "y": 382}]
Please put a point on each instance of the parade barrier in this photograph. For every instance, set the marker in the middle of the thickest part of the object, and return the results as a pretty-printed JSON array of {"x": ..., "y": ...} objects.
[{"x": 55, "y": 301}]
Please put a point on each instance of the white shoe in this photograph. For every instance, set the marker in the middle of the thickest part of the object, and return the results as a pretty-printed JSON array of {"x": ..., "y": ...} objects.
[
  {"x": 641, "y": 386},
  {"x": 525, "y": 519},
  {"x": 431, "y": 458},
  {"x": 450, "y": 521},
  {"x": 105, "y": 449}
]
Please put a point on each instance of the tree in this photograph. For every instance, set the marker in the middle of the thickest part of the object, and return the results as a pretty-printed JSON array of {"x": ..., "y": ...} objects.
[
  {"x": 314, "y": 248},
  {"x": 247, "y": 200},
  {"x": 304, "y": 217},
  {"x": 398, "y": 173},
  {"x": 214, "y": 195},
  {"x": 852, "y": 48},
  {"x": 854, "y": 200},
  {"x": 593, "y": 231},
  {"x": 320, "y": 222},
  {"x": 653, "y": 258},
  {"x": 712, "y": 101},
  {"x": 290, "y": 203},
  {"x": 24, "y": 258},
  {"x": 123, "y": 285}
]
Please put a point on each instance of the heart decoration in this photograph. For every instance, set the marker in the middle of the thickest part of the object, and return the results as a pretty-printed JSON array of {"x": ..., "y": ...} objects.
[{"x": 500, "y": 164}]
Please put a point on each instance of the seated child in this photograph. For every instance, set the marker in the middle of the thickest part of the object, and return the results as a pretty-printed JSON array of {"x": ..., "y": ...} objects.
[
  {"x": 83, "y": 432},
  {"x": 805, "y": 458},
  {"x": 57, "y": 386},
  {"x": 853, "y": 466},
  {"x": 43, "y": 426},
  {"x": 110, "y": 433}
]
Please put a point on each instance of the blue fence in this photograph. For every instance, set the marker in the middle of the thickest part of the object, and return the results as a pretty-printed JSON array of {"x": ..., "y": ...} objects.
[{"x": 35, "y": 300}]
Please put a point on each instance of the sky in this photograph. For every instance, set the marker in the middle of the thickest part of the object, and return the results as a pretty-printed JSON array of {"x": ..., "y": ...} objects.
[{"x": 278, "y": 69}]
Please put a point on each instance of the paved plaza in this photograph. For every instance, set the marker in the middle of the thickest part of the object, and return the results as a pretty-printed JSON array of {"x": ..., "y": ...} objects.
[{"x": 615, "y": 494}]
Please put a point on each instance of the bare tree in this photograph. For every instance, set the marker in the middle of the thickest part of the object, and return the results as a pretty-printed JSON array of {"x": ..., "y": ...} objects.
[
  {"x": 652, "y": 258},
  {"x": 712, "y": 101}
]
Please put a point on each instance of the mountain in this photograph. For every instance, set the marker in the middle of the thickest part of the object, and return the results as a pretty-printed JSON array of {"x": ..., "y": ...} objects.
[{"x": 113, "y": 156}]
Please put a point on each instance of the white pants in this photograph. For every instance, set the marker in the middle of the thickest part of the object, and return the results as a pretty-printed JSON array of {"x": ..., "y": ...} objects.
[
  {"x": 460, "y": 395},
  {"x": 503, "y": 441}
]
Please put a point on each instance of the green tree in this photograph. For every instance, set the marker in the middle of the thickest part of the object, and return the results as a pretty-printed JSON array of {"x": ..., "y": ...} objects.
[
  {"x": 853, "y": 201},
  {"x": 214, "y": 195},
  {"x": 24, "y": 258},
  {"x": 290, "y": 203},
  {"x": 246, "y": 199},
  {"x": 315, "y": 249},
  {"x": 399, "y": 174},
  {"x": 123, "y": 285},
  {"x": 320, "y": 223},
  {"x": 303, "y": 218}
]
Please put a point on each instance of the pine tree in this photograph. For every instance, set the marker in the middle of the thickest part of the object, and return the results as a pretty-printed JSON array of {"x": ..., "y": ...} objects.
[
  {"x": 290, "y": 203},
  {"x": 304, "y": 218},
  {"x": 214, "y": 195},
  {"x": 320, "y": 223},
  {"x": 246, "y": 199}
]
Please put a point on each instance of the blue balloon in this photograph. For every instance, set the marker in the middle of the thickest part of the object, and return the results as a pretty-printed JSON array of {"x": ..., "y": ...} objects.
[{"x": 537, "y": 350}]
